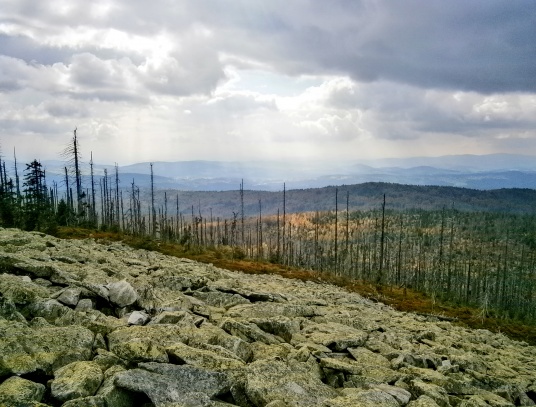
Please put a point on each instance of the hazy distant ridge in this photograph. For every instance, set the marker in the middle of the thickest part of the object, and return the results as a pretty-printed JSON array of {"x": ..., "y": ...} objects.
[{"x": 470, "y": 171}]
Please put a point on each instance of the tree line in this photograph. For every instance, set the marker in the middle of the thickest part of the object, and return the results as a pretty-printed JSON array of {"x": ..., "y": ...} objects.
[{"x": 483, "y": 259}]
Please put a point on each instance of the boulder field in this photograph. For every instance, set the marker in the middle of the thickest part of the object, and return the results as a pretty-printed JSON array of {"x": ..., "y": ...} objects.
[{"x": 89, "y": 324}]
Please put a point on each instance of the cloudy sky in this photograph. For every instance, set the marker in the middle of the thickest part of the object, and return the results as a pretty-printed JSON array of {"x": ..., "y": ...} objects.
[{"x": 261, "y": 80}]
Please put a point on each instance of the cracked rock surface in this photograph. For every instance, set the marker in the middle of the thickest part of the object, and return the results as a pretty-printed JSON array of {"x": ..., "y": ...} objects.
[{"x": 84, "y": 323}]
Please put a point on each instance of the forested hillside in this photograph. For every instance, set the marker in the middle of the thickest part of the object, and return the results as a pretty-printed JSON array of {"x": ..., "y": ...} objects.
[
  {"x": 465, "y": 246},
  {"x": 361, "y": 197}
]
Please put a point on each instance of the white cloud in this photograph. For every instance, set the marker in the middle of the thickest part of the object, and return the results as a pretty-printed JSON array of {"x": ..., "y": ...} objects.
[{"x": 208, "y": 80}]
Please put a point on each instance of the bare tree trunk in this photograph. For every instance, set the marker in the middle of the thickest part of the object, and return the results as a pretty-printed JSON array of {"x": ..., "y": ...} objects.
[
  {"x": 336, "y": 230},
  {"x": 382, "y": 243},
  {"x": 153, "y": 211},
  {"x": 242, "y": 210}
]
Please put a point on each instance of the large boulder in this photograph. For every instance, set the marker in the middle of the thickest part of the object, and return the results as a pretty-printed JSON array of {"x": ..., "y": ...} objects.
[
  {"x": 26, "y": 350},
  {"x": 19, "y": 392},
  {"x": 271, "y": 380},
  {"x": 202, "y": 358},
  {"x": 70, "y": 296},
  {"x": 363, "y": 398},
  {"x": 20, "y": 291},
  {"x": 335, "y": 336},
  {"x": 145, "y": 343},
  {"x": 121, "y": 293},
  {"x": 166, "y": 383},
  {"x": 75, "y": 380}
]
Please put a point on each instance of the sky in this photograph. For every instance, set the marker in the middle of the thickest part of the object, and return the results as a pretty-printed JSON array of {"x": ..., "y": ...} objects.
[{"x": 248, "y": 80}]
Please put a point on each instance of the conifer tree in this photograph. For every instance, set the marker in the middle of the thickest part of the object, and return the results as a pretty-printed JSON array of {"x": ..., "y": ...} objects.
[{"x": 37, "y": 208}]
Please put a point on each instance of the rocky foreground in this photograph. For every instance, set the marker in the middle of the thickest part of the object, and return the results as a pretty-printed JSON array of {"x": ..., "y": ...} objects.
[{"x": 86, "y": 324}]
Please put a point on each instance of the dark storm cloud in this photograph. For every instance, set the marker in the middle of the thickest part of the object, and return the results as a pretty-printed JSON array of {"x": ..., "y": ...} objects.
[{"x": 483, "y": 46}]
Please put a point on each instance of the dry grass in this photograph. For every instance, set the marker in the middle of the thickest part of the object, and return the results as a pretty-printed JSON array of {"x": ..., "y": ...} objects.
[{"x": 399, "y": 298}]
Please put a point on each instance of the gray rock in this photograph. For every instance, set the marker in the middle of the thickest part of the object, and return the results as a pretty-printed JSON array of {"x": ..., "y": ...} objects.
[
  {"x": 249, "y": 332},
  {"x": 281, "y": 326},
  {"x": 173, "y": 317},
  {"x": 165, "y": 384},
  {"x": 85, "y": 304},
  {"x": 113, "y": 395},
  {"x": 219, "y": 299},
  {"x": 202, "y": 358},
  {"x": 49, "y": 309},
  {"x": 138, "y": 318},
  {"x": 70, "y": 296},
  {"x": 267, "y": 341},
  {"x": 192, "y": 379},
  {"x": 335, "y": 336},
  {"x": 401, "y": 395},
  {"x": 122, "y": 293}
]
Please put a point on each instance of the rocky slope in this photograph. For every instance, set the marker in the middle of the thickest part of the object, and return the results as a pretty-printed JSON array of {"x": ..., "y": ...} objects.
[{"x": 86, "y": 324}]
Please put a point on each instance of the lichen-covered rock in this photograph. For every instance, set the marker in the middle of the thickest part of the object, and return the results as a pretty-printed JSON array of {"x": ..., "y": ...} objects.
[
  {"x": 270, "y": 380},
  {"x": 249, "y": 332},
  {"x": 93, "y": 320},
  {"x": 25, "y": 350},
  {"x": 9, "y": 311},
  {"x": 113, "y": 395},
  {"x": 423, "y": 401},
  {"x": 165, "y": 383},
  {"x": 21, "y": 292},
  {"x": 219, "y": 299},
  {"x": 214, "y": 335},
  {"x": 50, "y": 309},
  {"x": 145, "y": 343},
  {"x": 210, "y": 335},
  {"x": 202, "y": 358},
  {"x": 84, "y": 305},
  {"x": 184, "y": 318},
  {"x": 363, "y": 398},
  {"x": 436, "y": 393},
  {"x": 280, "y": 351},
  {"x": 89, "y": 401},
  {"x": 18, "y": 392},
  {"x": 402, "y": 396},
  {"x": 283, "y": 327},
  {"x": 335, "y": 336},
  {"x": 76, "y": 380}
]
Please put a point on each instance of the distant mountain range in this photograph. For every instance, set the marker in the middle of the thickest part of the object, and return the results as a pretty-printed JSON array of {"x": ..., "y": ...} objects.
[
  {"x": 500, "y": 182},
  {"x": 482, "y": 172}
]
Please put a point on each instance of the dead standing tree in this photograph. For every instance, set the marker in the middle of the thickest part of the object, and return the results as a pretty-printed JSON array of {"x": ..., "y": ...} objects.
[{"x": 73, "y": 156}]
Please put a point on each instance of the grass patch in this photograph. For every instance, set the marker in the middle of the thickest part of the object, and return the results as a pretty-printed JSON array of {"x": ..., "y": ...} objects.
[{"x": 400, "y": 299}]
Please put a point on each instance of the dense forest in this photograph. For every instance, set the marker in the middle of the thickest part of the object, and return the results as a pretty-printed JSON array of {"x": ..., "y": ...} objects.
[{"x": 463, "y": 247}]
